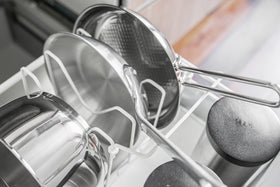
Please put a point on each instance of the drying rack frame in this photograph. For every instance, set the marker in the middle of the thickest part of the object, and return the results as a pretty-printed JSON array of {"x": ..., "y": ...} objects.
[
  {"x": 114, "y": 148},
  {"x": 37, "y": 65}
]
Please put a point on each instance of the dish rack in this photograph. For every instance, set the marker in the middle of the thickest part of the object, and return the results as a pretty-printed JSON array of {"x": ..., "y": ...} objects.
[{"x": 184, "y": 131}]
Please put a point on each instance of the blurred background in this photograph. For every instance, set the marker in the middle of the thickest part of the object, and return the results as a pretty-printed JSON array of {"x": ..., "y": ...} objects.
[{"x": 234, "y": 36}]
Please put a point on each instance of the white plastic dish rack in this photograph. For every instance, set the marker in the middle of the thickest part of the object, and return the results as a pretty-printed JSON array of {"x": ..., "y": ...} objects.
[{"x": 184, "y": 131}]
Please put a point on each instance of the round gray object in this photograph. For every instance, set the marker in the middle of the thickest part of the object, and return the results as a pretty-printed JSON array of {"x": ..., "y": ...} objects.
[
  {"x": 244, "y": 133},
  {"x": 170, "y": 174}
]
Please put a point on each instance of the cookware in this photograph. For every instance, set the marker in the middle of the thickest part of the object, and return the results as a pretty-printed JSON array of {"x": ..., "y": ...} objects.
[
  {"x": 95, "y": 74},
  {"x": 81, "y": 73},
  {"x": 149, "y": 53},
  {"x": 88, "y": 63},
  {"x": 171, "y": 174},
  {"x": 239, "y": 137},
  {"x": 44, "y": 142}
]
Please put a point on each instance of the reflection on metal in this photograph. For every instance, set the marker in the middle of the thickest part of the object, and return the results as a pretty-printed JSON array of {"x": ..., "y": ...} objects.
[{"x": 33, "y": 134}]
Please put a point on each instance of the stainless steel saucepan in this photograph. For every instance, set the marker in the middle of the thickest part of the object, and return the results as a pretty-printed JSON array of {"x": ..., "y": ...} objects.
[
  {"x": 149, "y": 53},
  {"x": 115, "y": 82},
  {"x": 44, "y": 142}
]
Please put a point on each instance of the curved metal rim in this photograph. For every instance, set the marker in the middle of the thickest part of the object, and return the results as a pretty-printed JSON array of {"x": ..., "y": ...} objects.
[
  {"x": 115, "y": 60},
  {"x": 168, "y": 49},
  {"x": 21, "y": 161},
  {"x": 61, "y": 105}
]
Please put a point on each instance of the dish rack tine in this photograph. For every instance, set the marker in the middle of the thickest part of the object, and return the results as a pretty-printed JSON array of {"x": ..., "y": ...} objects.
[
  {"x": 135, "y": 152},
  {"x": 24, "y": 71},
  {"x": 83, "y": 32},
  {"x": 113, "y": 151},
  {"x": 191, "y": 110},
  {"x": 163, "y": 95},
  {"x": 56, "y": 59},
  {"x": 113, "y": 145},
  {"x": 114, "y": 148}
]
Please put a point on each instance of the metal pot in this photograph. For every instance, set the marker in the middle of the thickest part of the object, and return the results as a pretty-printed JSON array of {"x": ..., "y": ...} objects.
[
  {"x": 44, "y": 142},
  {"x": 238, "y": 139}
]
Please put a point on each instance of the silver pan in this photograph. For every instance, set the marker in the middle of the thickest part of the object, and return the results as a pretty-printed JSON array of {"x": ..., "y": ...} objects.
[
  {"x": 94, "y": 75},
  {"x": 96, "y": 72},
  {"x": 150, "y": 54}
]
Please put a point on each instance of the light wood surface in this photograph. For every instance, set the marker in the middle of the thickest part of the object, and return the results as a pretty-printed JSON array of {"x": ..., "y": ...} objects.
[
  {"x": 202, "y": 39},
  {"x": 175, "y": 18}
]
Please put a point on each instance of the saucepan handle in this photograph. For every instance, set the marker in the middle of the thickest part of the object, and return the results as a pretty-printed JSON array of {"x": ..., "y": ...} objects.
[
  {"x": 95, "y": 147},
  {"x": 179, "y": 65},
  {"x": 191, "y": 167}
]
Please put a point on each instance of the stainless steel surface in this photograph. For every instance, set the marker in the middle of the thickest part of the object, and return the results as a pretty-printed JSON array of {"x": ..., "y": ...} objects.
[
  {"x": 97, "y": 73},
  {"x": 9, "y": 164},
  {"x": 230, "y": 173},
  {"x": 86, "y": 175},
  {"x": 46, "y": 138},
  {"x": 238, "y": 139}
]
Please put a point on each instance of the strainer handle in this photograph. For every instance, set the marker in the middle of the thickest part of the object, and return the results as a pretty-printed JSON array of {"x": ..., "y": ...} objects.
[{"x": 249, "y": 81}]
